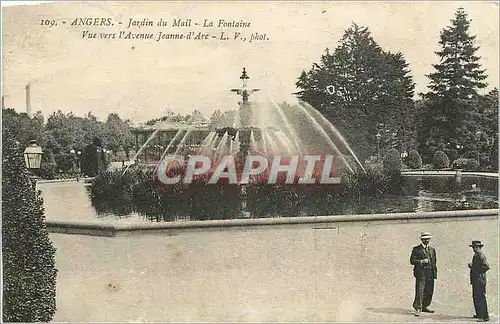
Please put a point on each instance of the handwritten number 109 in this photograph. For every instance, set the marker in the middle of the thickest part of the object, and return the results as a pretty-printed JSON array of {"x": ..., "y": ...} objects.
[{"x": 49, "y": 22}]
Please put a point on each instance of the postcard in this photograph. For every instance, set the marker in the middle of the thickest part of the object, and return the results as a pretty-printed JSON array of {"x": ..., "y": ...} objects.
[{"x": 278, "y": 161}]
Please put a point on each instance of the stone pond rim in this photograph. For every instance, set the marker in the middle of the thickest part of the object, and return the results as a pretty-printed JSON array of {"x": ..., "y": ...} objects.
[{"x": 106, "y": 229}]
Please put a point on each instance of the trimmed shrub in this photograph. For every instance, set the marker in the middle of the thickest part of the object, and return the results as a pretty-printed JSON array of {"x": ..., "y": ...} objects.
[
  {"x": 29, "y": 272},
  {"x": 465, "y": 164},
  {"x": 392, "y": 162},
  {"x": 112, "y": 192},
  {"x": 440, "y": 160},
  {"x": 414, "y": 160}
]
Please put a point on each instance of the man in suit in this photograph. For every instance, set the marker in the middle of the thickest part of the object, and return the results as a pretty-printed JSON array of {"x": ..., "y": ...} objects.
[
  {"x": 478, "y": 268},
  {"x": 423, "y": 258}
]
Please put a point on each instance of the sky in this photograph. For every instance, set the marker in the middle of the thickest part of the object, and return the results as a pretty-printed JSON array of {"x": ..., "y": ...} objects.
[{"x": 139, "y": 79}]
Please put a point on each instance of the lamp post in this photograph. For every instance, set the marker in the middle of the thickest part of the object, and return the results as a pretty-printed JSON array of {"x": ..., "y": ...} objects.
[
  {"x": 107, "y": 158},
  {"x": 76, "y": 157},
  {"x": 121, "y": 155},
  {"x": 33, "y": 159},
  {"x": 478, "y": 133},
  {"x": 378, "y": 136},
  {"x": 459, "y": 149},
  {"x": 78, "y": 161},
  {"x": 73, "y": 153}
]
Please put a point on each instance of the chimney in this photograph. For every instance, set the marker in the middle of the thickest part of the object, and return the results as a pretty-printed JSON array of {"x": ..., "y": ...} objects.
[{"x": 28, "y": 100}]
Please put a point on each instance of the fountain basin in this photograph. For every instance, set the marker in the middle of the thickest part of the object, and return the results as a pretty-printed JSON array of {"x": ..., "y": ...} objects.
[{"x": 100, "y": 229}]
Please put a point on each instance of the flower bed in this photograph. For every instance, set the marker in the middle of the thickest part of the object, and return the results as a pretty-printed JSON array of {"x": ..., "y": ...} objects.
[{"x": 137, "y": 190}]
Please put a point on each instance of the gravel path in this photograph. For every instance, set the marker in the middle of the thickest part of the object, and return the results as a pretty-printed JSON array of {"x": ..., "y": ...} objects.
[{"x": 357, "y": 272}]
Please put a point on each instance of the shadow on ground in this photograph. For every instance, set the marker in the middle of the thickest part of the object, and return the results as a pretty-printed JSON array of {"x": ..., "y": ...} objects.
[
  {"x": 392, "y": 311},
  {"x": 409, "y": 312}
]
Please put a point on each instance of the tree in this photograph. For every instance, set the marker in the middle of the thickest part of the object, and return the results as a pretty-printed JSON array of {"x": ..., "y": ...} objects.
[
  {"x": 488, "y": 136},
  {"x": 358, "y": 87},
  {"x": 64, "y": 133},
  {"x": 414, "y": 160},
  {"x": 60, "y": 137},
  {"x": 441, "y": 160},
  {"x": 195, "y": 117},
  {"x": 220, "y": 119},
  {"x": 458, "y": 75},
  {"x": 392, "y": 162},
  {"x": 29, "y": 272},
  {"x": 118, "y": 133},
  {"x": 449, "y": 118},
  {"x": 23, "y": 127},
  {"x": 216, "y": 119}
]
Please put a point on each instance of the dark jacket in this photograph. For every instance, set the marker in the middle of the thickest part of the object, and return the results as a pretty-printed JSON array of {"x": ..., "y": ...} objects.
[
  {"x": 478, "y": 268},
  {"x": 424, "y": 270}
]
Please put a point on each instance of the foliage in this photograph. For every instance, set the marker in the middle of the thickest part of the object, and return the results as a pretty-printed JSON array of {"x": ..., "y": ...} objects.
[
  {"x": 465, "y": 164},
  {"x": 414, "y": 160},
  {"x": 392, "y": 162},
  {"x": 63, "y": 133},
  {"x": 118, "y": 133},
  {"x": 450, "y": 117},
  {"x": 113, "y": 193},
  {"x": 359, "y": 86},
  {"x": 441, "y": 160},
  {"x": 29, "y": 272},
  {"x": 22, "y": 127},
  {"x": 139, "y": 191},
  {"x": 171, "y": 117},
  {"x": 488, "y": 139},
  {"x": 48, "y": 166},
  {"x": 458, "y": 75},
  {"x": 222, "y": 119},
  {"x": 376, "y": 181},
  {"x": 168, "y": 116}
]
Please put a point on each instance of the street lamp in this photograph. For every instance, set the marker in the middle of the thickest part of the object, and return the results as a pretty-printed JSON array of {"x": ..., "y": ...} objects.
[
  {"x": 33, "y": 156},
  {"x": 76, "y": 156},
  {"x": 378, "y": 136},
  {"x": 33, "y": 159},
  {"x": 79, "y": 161}
]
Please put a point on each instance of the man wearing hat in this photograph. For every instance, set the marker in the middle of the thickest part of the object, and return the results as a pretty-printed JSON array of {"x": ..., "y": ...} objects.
[
  {"x": 478, "y": 268},
  {"x": 423, "y": 259}
]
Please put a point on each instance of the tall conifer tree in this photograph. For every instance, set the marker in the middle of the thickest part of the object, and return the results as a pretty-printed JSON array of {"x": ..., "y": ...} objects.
[
  {"x": 449, "y": 117},
  {"x": 458, "y": 74}
]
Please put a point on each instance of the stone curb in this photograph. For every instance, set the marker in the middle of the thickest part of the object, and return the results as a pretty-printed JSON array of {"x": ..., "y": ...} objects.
[
  {"x": 99, "y": 229},
  {"x": 84, "y": 180},
  {"x": 430, "y": 173}
]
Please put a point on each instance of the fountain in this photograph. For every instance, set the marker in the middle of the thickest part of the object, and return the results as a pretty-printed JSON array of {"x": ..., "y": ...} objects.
[
  {"x": 262, "y": 131},
  {"x": 297, "y": 151},
  {"x": 267, "y": 130}
]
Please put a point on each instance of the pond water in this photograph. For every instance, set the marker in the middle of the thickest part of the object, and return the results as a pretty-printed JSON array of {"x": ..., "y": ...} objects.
[{"x": 69, "y": 201}]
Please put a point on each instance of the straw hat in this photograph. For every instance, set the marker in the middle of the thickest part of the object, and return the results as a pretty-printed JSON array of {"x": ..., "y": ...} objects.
[{"x": 425, "y": 235}]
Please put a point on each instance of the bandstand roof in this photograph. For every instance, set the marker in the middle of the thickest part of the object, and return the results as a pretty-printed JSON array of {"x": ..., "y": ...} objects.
[{"x": 172, "y": 126}]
